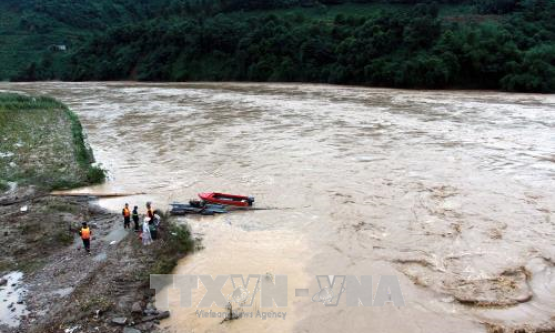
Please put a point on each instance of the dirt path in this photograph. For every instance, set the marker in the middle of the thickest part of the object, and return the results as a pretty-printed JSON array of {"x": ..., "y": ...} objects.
[{"x": 64, "y": 289}]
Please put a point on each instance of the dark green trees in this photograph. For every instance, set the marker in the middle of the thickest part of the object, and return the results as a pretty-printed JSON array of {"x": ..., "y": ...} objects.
[{"x": 407, "y": 46}]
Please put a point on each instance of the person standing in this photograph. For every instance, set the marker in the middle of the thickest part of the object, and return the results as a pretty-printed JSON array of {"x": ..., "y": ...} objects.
[
  {"x": 153, "y": 230},
  {"x": 85, "y": 234},
  {"x": 135, "y": 216},
  {"x": 126, "y": 216},
  {"x": 147, "y": 239},
  {"x": 149, "y": 212}
]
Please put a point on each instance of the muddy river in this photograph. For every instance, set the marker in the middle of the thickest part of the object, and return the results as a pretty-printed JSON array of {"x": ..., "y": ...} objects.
[{"x": 453, "y": 193}]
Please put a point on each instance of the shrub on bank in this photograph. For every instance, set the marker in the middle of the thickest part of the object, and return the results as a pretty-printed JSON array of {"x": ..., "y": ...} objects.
[{"x": 176, "y": 241}]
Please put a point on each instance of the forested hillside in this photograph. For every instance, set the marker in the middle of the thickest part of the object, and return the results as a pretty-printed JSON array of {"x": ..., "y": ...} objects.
[{"x": 493, "y": 44}]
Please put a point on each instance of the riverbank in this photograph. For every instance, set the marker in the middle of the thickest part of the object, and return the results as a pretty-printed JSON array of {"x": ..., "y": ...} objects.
[
  {"x": 43, "y": 145},
  {"x": 61, "y": 287},
  {"x": 47, "y": 281}
]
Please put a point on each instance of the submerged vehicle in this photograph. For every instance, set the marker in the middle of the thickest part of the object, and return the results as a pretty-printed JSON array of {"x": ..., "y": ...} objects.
[{"x": 227, "y": 199}]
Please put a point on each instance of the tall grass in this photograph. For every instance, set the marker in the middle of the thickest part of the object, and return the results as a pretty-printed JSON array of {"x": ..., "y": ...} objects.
[
  {"x": 83, "y": 154},
  {"x": 15, "y": 102},
  {"x": 14, "y": 106}
]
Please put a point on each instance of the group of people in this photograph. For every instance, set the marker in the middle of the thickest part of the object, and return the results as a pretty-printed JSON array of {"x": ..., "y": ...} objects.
[
  {"x": 148, "y": 232},
  {"x": 151, "y": 222}
]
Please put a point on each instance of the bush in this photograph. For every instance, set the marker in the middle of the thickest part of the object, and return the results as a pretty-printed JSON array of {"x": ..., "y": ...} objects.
[
  {"x": 95, "y": 175},
  {"x": 64, "y": 238},
  {"x": 4, "y": 186},
  {"x": 176, "y": 242}
]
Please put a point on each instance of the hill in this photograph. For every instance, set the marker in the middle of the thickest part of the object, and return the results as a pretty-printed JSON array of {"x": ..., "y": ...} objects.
[{"x": 492, "y": 44}]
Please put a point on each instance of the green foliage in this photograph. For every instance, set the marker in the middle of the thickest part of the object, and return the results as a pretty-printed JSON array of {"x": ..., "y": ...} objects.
[
  {"x": 535, "y": 73},
  {"x": 83, "y": 153},
  {"x": 494, "y": 44},
  {"x": 4, "y": 186},
  {"x": 18, "y": 102},
  {"x": 177, "y": 242},
  {"x": 64, "y": 238},
  {"x": 180, "y": 239},
  {"x": 496, "y": 6},
  {"x": 60, "y": 206}
]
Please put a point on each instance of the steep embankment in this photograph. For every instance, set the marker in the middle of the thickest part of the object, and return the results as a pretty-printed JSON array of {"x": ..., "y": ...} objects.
[{"x": 47, "y": 283}]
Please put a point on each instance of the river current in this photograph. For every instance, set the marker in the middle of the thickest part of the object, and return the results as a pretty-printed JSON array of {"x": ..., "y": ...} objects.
[{"x": 451, "y": 192}]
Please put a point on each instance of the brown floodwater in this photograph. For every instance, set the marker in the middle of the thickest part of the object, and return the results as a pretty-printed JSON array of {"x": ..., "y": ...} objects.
[{"x": 452, "y": 192}]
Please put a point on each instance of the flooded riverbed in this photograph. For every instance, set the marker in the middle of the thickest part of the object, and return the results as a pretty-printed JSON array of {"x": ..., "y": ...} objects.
[{"x": 452, "y": 192}]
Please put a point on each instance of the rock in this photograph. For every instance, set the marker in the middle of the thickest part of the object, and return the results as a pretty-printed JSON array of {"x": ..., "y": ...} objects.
[
  {"x": 160, "y": 316},
  {"x": 163, "y": 315},
  {"x": 131, "y": 330},
  {"x": 147, "y": 327},
  {"x": 3, "y": 282},
  {"x": 151, "y": 312},
  {"x": 119, "y": 320},
  {"x": 137, "y": 308}
]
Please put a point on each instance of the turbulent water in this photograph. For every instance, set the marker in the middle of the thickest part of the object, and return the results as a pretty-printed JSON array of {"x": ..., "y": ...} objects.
[{"x": 452, "y": 192}]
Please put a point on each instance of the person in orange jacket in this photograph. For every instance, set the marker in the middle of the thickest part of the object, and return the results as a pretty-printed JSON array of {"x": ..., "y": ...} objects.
[
  {"x": 126, "y": 216},
  {"x": 150, "y": 212},
  {"x": 85, "y": 234}
]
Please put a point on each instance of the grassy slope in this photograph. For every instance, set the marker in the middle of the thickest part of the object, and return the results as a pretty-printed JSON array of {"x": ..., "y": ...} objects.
[{"x": 42, "y": 144}]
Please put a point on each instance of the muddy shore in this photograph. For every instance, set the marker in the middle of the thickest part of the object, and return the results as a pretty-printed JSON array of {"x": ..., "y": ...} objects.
[
  {"x": 63, "y": 289},
  {"x": 48, "y": 283}
]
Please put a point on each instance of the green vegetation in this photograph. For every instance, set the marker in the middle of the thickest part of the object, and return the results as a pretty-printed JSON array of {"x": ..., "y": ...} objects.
[
  {"x": 96, "y": 303},
  {"x": 61, "y": 206},
  {"x": 42, "y": 144},
  {"x": 31, "y": 30},
  {"x": 491, "y": 44},
  {"x": 176, "y": 242},
  {"x": 64, "y": 238},
  {"x": 4, "y": 186}
]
